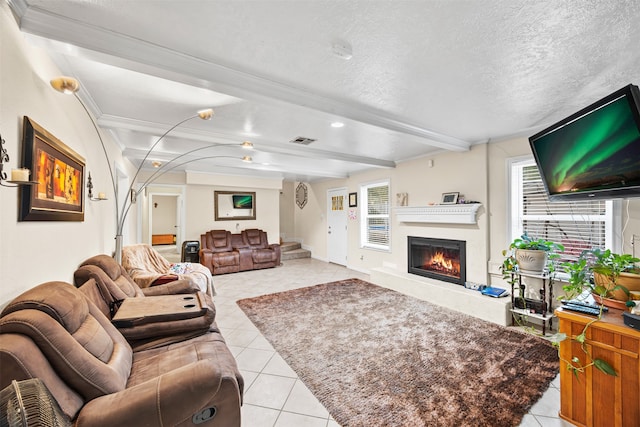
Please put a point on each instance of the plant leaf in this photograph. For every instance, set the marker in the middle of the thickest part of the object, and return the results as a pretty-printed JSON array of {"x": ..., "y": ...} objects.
[
  {"x": 604, "y": 367},
  {"x": 580, "y": 338},
  {"x": 558, "y": 337}
]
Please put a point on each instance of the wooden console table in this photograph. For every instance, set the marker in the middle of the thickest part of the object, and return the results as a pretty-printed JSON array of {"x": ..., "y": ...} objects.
[{"x": 593, "y": 398}]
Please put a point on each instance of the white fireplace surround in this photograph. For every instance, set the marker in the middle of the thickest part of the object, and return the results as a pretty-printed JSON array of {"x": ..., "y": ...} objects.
[
  {"x": 449, "y": 295},
  {"x": 444, "y": 214}
]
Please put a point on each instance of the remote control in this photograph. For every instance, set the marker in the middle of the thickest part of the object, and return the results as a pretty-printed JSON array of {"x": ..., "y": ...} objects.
[
  {"x": 585, "y": 304},
  {"x": 582, "y": 309}
]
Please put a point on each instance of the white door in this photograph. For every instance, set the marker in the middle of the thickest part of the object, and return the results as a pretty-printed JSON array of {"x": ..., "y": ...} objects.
[{"x": 337, "y": 206}]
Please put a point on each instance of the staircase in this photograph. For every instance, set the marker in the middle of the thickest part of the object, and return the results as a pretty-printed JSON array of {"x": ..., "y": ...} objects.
[{"x": 293, "y": 250}]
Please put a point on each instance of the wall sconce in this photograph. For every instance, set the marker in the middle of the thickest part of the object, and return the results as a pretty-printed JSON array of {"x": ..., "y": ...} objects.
[
  {"x": 101, "y": 196},
  {"x": 18, "y": 176}
]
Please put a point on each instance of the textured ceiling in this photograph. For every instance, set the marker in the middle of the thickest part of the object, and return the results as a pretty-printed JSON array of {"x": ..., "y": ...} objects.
[{"x": 424, "y": 75}]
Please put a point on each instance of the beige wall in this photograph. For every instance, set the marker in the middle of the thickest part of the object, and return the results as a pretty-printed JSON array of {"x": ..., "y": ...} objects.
[
  {"x": 480, "y": 175},
  {"x": 465, "y": 173},
  {"x": 287, "y": 211},
  {"x": 35, "y": 252}
]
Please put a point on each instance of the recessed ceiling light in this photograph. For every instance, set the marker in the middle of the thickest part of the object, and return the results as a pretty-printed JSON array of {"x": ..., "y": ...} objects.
[{"x": 337, "y": 124}]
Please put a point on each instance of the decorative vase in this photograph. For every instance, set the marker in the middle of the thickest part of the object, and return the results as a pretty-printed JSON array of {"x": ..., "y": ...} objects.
[{"x": 531, "y": 261}]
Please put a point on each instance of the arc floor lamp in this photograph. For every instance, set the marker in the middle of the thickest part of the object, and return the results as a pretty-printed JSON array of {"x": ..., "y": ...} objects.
[{"x": 70, "y": 85}]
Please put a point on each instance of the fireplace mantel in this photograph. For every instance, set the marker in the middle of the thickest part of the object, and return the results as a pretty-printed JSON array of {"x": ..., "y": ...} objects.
[{"x": 443, "y": 214}]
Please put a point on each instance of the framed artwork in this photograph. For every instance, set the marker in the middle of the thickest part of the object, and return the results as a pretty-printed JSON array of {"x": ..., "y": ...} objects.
[
  {"x": 449, "y": 198},
  {"x": 353, "y": 200},
  {"x": 59, "y": 171},
  {"x": 234, "y": 205}
]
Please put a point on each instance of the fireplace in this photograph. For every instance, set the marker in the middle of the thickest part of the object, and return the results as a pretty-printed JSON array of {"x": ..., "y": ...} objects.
[{"x": 440, "y": 259}]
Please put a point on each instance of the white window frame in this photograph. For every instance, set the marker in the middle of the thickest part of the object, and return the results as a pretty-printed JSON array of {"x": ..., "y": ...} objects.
[
  {"x": 364, "y": 215},
  {"x": 612, "y": 218}
]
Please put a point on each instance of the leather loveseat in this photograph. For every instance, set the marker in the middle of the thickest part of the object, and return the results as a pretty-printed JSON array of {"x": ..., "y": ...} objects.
[
  {"x": 107, "y": 285},
  {"x": 53, "y": 332},
  {"x": 223, "y": 252}
]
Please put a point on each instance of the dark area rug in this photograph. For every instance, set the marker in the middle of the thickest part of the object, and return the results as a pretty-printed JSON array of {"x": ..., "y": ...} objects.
[{"x": 376, "y": 357}]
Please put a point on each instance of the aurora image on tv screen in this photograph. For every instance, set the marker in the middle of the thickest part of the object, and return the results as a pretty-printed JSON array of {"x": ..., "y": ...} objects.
[
  {"x": 242, "y": 201},
  {"x": 592, "y": 155}
]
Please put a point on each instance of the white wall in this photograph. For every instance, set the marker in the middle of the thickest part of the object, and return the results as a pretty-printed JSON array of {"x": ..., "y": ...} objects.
[
  {"x": 164, "y": 214},
  {"x": 35, "y": 252}
]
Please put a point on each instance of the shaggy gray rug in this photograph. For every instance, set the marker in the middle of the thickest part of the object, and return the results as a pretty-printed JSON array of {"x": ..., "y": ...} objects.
[{"x": 375, "y": 357}]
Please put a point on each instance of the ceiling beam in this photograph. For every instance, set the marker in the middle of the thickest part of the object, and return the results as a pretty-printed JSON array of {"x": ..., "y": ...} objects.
[{"x": 120, "y": 50}]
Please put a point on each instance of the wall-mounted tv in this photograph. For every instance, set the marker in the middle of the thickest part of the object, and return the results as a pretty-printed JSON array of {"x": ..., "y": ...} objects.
[
  {"x": 242, "y": 201},
  {"x": 594, "y": 153}
]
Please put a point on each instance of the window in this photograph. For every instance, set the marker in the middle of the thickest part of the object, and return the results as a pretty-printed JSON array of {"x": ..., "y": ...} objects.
[
  {"x": 577, "y": 225},
  {"x": 374, "y": 232}
]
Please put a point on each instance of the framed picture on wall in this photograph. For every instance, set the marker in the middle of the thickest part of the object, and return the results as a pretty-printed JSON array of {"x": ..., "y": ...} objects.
[
  {"x": 449, "y": 198},
  {"x": 353, "y": 200},
  {"x": 59, "y": 171}
]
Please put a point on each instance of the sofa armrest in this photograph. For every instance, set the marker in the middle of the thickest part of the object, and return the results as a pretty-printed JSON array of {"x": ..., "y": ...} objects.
[
  {"x": 196, "y": 391},
  {"x": 182, "y": 286},
  {"x": 276, "y": 249},
  {"x": 206, "y": 258}
]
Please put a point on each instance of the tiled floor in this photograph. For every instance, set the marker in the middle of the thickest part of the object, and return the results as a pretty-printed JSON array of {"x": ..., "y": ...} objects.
[{"x": 274, "y": 396}]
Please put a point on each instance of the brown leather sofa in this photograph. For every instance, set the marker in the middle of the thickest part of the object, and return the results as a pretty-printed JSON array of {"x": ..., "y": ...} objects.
[
  {"x": 53, "y": 332},
  {"x": 223, "y": 252},
  {"x": 107, "y": 284},
  {"x": 217, "y": 254}
]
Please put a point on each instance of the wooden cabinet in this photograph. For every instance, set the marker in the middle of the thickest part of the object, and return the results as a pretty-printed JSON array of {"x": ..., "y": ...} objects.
[{"x": 593, "y": 398}]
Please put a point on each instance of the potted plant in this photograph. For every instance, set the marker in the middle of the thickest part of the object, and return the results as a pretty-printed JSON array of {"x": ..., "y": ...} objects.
[
  {"x": 530, "y": 255},
  {"x": 579, "y": 285},
  {"x": 614, "y": 275}
]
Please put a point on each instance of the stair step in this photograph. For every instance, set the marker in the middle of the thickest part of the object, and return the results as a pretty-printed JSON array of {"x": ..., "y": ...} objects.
[
  {"x": 295, "y": 254},
  {"x": 289, "y": 246}
]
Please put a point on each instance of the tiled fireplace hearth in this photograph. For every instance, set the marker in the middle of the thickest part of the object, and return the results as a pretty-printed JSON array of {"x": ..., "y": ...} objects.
[
  {"x": 440, "y": 259},
  {"x": 436, "y": 269}
]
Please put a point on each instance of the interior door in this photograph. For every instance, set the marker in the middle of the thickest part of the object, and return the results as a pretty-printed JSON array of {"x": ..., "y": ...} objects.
[{"x": 337, "y": 226}]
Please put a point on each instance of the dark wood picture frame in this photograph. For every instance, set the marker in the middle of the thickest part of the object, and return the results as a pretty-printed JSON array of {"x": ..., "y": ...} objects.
[
  {"x": 59, "y": 170},
  {"x": 353, "y": 200},
  {"x": 225, "y": 209}
]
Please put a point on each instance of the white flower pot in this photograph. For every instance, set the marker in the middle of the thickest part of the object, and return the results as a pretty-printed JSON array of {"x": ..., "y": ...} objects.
[{"x": 531, "y": 261}]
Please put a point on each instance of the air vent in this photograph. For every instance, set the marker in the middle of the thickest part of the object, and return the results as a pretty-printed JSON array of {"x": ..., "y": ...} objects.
[{"x": 303, "y": 141}]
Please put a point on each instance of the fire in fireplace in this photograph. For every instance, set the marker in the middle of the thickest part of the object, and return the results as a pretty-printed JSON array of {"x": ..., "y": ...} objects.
[{"x": 440, "y": 259}]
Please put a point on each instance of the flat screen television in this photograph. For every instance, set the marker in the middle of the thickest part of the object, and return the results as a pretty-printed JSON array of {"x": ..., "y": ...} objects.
[
  {"x": 242, "y": 201},
  {"x": 594, "y": 153}
]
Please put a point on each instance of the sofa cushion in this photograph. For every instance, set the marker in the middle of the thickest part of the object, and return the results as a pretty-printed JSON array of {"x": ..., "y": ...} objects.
[
  {"x": 76, "y": 338},
  {"x": 255, "y": 238}
]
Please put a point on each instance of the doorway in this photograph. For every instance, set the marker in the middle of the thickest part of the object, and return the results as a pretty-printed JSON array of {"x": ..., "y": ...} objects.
[
  {"x": 337, "y": 243},
  {"x": 165, "y": 220}
]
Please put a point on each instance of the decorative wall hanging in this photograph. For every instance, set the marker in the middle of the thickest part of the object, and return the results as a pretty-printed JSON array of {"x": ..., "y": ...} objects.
[
  {"x": 59, "y": 171},
  {"x": 353, "y": 200},
  {"x": 301, "y": 195}
]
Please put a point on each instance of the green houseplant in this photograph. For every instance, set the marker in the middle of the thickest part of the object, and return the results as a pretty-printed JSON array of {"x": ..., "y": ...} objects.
[
  {"x": 615, "y": 275},
  {"x": 596, "y": 272},
  {"x": 530, "y": 255}
]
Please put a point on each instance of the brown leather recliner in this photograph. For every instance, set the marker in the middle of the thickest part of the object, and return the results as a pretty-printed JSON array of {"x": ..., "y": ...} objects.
[
  {"x": 217, "y": 253},
  {"x": 107, "y": 284},
  {"x": 54, "y": 333},
  {"x": 263, "y": 254}
]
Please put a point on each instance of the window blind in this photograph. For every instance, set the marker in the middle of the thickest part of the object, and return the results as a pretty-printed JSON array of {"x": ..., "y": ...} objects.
[
  {"x": 376, "y": 216},
  {"x": 577, "y": 225}
]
